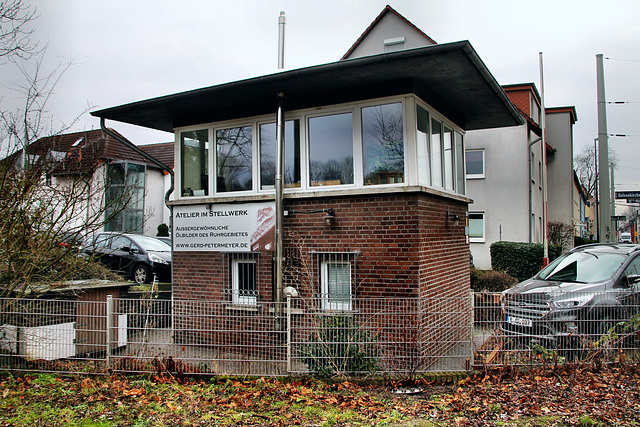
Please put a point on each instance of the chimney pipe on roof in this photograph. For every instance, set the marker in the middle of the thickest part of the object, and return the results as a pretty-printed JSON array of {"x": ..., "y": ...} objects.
[{"x": 282, "y": 23}]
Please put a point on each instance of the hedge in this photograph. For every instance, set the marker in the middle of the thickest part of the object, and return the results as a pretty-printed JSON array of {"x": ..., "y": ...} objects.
[{"x": 520, "y": 260}]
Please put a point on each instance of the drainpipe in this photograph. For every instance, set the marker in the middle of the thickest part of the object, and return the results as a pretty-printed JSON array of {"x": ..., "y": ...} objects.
[
  {"x": 152, "y": 160},
  {"x": 279, "y": 184},
  {"x": 531, "y": 190}
]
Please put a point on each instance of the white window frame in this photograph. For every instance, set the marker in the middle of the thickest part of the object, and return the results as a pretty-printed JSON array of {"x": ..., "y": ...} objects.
[
  {"x": 484, "y": 229},
  {"x": 475, "y": 175},
  {"x": 329, "y": 303},
  {"x": 236, "y": 297},
  {"x": 411, "y": 167}
]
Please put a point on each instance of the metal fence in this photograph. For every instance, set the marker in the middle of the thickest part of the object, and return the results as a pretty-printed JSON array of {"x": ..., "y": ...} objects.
[{"x": 390, "y": 336}]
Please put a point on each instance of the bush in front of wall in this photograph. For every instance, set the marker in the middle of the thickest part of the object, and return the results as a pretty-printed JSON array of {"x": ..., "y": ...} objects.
[
  {"x": 520, "y": 260},
  {"x": 338, "y": 346},
  {"x": 491, "y": 281}
]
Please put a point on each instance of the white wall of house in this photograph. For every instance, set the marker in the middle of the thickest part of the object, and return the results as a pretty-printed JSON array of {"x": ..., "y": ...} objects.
[
  {"x": 154, "y": 207},
  {"x": 502, "y": 195},
  {"x": 560, "y": 167},
  {"x": 396, "y": 32}
]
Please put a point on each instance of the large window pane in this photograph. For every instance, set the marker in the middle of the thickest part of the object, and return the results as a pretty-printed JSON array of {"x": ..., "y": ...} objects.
[
  {"x": 383, "y": 144},
  {"x": 194, "y": 149},
  {"x": 447, "y": 141},
  {"x": 124, "y": 198},
  {"x": 233, "y": 160},
  {"x": 291, "y": 154},
  {"x": 460, "y": 170},
  {"x": 331, "y": 150},
  {"x": 424, "y": 166},
  {"x": 436, "y": 153}
]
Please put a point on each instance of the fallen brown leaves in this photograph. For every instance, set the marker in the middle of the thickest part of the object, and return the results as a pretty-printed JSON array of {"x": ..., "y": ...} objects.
[
  {"x": 573, "y": 395},
  {"x": 568, "y": 395}
]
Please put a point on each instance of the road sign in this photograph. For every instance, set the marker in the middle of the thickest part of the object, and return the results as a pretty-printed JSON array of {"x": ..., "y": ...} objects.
[
  {"x": 627, "y": 194},
  {"x": 618, "y": 218},
  {"x": 633, "y": 200}
]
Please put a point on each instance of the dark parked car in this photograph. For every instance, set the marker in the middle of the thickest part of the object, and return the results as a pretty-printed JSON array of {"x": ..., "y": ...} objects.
[
  {"x": 134, "y": 256},
  {"x": 581, "y": 294}
]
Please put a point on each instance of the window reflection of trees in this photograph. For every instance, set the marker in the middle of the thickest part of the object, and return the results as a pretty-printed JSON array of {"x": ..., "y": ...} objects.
[
  {"x": 383, "y": 143},
  {"x": 268, "y": 154},
  {"x": 331, "y": 149},
  {"x": 332, "y": 171},
  {"x": 234, "y": 159}
]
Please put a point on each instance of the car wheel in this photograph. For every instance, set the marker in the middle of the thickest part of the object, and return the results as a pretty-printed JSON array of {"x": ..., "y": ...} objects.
[{"x": 141, "y": 274}]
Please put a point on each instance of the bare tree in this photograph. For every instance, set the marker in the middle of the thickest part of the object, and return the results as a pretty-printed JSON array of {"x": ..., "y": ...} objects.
[
  {"x": 48, "y": 198},
  {"x": 15, "y": 34},
  {"x": 585, "y": 166}
]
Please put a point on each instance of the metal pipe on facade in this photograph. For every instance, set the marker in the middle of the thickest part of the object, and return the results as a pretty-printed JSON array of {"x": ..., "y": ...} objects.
[
  {"x": 282, "y": 23},
  {"x": 279, "y": 184}
]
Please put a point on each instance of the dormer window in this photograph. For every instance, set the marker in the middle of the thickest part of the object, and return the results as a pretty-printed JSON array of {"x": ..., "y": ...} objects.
[{"x": 393, "y": 45}]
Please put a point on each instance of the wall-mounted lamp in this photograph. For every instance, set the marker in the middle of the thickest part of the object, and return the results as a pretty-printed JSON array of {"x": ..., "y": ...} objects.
[
  {"x": 329, "y": 217},
  {"x": 452, "y": 218}
]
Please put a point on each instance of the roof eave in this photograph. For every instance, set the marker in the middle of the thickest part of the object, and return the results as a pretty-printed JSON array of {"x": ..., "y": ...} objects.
[{"x": 451, "y": 77}]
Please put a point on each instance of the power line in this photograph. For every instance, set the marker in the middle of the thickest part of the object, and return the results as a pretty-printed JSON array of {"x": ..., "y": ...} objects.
[{"x": 623, "y": 60}]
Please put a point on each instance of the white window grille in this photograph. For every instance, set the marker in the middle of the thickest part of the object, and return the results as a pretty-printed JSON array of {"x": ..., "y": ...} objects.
[{"x": 243, "y": 279}]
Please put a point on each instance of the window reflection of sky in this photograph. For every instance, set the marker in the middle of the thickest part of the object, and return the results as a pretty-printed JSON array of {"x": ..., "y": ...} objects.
[{"x": 331, "y": 137}]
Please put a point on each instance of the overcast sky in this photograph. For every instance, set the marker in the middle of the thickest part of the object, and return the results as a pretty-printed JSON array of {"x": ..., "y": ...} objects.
[{"x": 130, "y": 50}]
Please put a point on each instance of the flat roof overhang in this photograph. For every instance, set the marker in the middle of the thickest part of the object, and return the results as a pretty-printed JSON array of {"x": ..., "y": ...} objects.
[{"x": 450, "y": 77}]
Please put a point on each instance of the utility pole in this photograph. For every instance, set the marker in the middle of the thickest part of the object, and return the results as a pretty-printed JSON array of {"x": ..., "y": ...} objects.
[
  {"x": 604, "y": 228},
  {"x": 545, "y": 219}
]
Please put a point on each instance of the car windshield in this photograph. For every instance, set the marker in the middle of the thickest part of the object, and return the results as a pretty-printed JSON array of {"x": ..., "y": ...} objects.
[
  {"x": 152, "y": 244},
  {"x": 583, "y": 267}
]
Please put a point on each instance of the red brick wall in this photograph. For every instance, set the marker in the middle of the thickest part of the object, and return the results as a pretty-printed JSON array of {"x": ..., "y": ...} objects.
[{"x": 407, "y": 247}]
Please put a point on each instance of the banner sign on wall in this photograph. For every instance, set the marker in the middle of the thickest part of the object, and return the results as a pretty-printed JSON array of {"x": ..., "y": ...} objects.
[{"x": 224, "y": 228}]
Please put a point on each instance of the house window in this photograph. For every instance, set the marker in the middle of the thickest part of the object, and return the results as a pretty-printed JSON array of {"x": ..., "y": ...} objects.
[
  {"x": 331, "y": 150},
  {"x": 424, "y": 165},
  {"x": 383, "y": 144},
  {"x": 336, "y": 285},
  {"x": 476, "y": 227},
  {"x": 336, "y": 273},
  {"x": 447, "y": 142},
  {"x": 291, "y": 155},
  {"x": 244, "y": 289},
  {"x": 475, "y": 164},
  {"x": 233, "y": 159},
  {"x": 436, "y": 153},
  {"x": 194, "y": 161},
  {"x": 460, "y": 167},
  {"x": 124, "y": 198}
]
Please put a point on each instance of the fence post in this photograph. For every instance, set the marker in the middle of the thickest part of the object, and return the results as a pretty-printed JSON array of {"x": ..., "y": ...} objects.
[
  {"x": 472, "y": 319},
  {"x": 109, "y": 312},
  {"x": 288, "y": 334}
]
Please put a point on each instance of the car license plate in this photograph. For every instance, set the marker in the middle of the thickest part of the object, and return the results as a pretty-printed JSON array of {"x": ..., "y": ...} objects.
[{"x": 519, "y": 321}]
